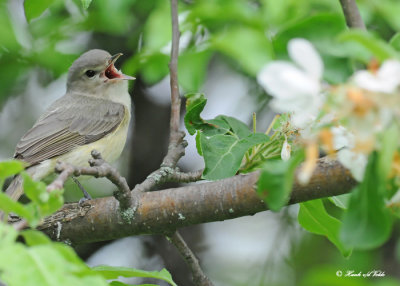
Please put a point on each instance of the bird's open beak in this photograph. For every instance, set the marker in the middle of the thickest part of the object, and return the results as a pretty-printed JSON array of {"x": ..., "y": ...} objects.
[
  {"x": 112, "y": 73},
  {"x": 115, "y": 57}
]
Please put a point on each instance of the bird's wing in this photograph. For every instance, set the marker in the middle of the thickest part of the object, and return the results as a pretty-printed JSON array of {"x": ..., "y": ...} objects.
[{"x": 73, "y": 120}]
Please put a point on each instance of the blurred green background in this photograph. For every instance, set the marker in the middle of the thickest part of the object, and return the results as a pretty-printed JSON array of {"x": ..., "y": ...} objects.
[{"x": 222, "y": 41}]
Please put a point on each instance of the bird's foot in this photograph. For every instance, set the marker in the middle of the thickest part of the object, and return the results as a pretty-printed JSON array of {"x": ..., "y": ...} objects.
[{"x": 86, "y": 195}]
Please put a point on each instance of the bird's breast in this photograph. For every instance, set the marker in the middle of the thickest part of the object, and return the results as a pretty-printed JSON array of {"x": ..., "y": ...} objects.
[{"x": 110, "y": 146}]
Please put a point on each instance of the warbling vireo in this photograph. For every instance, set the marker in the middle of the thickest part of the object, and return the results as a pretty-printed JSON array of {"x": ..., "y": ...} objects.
[{"x": 93, "y": 114}]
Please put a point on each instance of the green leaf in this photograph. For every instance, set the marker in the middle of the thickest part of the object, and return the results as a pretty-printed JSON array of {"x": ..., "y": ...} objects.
[
  {"x": 367, "y": 222},
  {"x": 50, "y": 58},
  {"x": 248, "y": 46},
  {"x": 221, "y": 14},
  {"x": 118, "y": 283},
  {"x": 34, "y": 237},
  {"x": 154, "y": 67},
  {"x": 35, "y": 8},
  {"x": 198, "y": 143},
  {"x": 388, "y": 147},
  {"x": 70, "y": 256},
  {"x": 45, "y": 265},
  {"x": 115, "y": 18},
  {"x": 55, "y": 202},
  {"x": 222, "y": 141},
  {"x": 276, "y": 181},
  {"x": 388, "y": 11},
  {"x": 314, "y": 218},
  {"x": 192, "y": 68},
  {"x": 10, "y": 168},
  {"x": 341, "y": 201},
  {"x": 236, "y": 126},
  {"x": 157, "y": 30},
  {"x": 379, "y": 48},
  {"x": 43, "y": 203},
  {"x": 337, "y": 70},
  {"x": 35, "y": 191},
  {"x": 224, "y": 153},
  {"x": 216, "y": 126},
  {"x": 8, "y": 235},
  {"x": 8, "y": 40},
  {"x": 86, "y": 4},
  {"x": 394, "y": 204},
  {"x": 195, "y": 103},
  {"x": 9, "y": 205},
  {"x": 395, "y": 41},
  {"x": 111, "y": 272},
  {"x": 320, "y": 29}
]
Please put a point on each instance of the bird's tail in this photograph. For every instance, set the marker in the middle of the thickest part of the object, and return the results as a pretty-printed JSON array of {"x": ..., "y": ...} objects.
[{"x": 15, "y": 189}]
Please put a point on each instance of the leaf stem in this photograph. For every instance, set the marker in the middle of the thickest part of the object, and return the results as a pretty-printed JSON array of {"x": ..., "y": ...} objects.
[
  {"x": 254, "y": 122},
  {"x": 272, "y": 124}
]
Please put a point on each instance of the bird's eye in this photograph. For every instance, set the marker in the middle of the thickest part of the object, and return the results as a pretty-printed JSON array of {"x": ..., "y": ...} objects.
[{"x": 90, "y": 73}]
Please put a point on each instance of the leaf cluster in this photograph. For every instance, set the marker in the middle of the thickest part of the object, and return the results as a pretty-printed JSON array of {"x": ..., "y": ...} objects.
[
  {"x": 223, "y": 141},
  {"x": 40, "y": 261}
]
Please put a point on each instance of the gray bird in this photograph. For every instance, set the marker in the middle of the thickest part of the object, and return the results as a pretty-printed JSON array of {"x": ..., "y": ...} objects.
[{"x": 93, "y": 114}]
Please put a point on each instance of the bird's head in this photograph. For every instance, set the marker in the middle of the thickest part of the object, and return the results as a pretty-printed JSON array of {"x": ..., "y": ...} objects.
[{"x": 94, "y": 73}]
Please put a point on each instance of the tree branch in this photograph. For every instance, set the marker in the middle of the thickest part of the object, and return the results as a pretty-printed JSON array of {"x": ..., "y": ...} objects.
[
  {"x": 352, "y": 14},
  {"x": 162, "y": 212},
  {"x": 199, "y": 278},
  {"x": 98, "y": 168}
]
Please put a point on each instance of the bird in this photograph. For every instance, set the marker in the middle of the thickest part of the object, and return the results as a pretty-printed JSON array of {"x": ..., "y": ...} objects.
[{"x": 94, "y": 114}]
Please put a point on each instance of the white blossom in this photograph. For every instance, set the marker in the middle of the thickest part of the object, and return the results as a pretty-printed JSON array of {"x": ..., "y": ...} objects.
[
  {"x": 386, "y": 79},
  {"x": 306, "y": 57},
  {"x": 295, "y": 87},
  {"x": 342, "y": 138},
  {"x": 344, "y": 142},
  {"x": 355, "y": 162}
]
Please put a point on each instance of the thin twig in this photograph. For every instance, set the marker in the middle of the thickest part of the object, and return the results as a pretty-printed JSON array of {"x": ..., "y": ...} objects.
[
  {"x": 199, "y": 278},
  {"x": 173, "y": 68},
  {"x": 177, "y": 145},
  {"x": 183, "y": 177},
  {"x": 352, "y": 14},
  {"x": 176, "y": 148},
  {"x": 98, "y": 168},
  {"x": 164, "y": 175}
]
